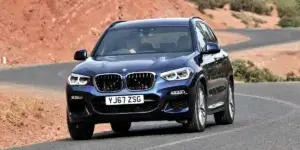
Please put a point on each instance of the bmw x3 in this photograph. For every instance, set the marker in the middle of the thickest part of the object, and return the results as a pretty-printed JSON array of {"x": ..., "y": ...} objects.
[{"x": 151, "y": 70}]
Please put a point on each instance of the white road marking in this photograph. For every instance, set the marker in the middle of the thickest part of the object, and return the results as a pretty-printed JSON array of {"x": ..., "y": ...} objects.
[
  {"x": 270, "y": 99},
  {"x": 236, "y": 129}
]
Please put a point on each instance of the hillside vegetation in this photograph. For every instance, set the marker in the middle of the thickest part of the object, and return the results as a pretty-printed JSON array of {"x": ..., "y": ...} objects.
[
  {"x": 247, "y": 71},
  {"x": 288, "y": 10},
  {"x": 256, "y": 6}
]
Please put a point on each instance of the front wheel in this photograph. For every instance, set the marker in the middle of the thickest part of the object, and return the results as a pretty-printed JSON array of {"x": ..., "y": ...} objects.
[
  {"x": 227, "y": 115},
  {"x": 80, "y": 131},
  {"x": 198, "y": 121}
]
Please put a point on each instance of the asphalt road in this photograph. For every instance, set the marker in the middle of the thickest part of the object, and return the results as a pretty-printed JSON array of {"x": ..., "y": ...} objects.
[{"x": 267, "y": 114}]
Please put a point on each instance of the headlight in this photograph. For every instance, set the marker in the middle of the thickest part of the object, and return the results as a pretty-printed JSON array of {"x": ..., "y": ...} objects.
[
  {"x": 177, "y": 74},
  {"x": 76, "y": 79}
]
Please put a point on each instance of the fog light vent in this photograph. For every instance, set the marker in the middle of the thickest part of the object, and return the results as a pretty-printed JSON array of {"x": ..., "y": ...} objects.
[
  {"x": 76, "y": 97},
  {"x": 179, "y": 92}
]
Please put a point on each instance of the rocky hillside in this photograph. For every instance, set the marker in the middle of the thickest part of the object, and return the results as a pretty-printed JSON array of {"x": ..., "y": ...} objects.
[{"x": 48, "y": 31}]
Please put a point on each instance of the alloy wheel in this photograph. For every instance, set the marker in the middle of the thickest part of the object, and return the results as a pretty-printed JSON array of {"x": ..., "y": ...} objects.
[
  {"x": 231, "y": 103},
  {"x": 201, "y": 108}
]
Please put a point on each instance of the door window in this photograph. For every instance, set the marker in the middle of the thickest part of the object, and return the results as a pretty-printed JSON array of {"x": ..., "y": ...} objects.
[
  {"x": 212, "y": 33},
  {"x": 200, "y": 36},
  {"x": 207, "y": 32}
]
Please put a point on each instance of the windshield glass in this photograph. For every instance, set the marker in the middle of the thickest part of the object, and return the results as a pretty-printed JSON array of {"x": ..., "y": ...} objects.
[{"x": 145, "y": 40}]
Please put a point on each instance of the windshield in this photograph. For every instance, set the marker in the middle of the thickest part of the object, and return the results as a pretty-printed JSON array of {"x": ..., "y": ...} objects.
[{"x": 145, "y": 40}]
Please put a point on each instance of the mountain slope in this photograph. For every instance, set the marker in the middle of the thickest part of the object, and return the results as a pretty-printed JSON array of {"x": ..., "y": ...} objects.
[{"x": 49, "y": 31}]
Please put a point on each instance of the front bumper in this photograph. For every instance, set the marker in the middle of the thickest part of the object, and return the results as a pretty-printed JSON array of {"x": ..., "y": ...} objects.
[{"x": 86, "y": 104}]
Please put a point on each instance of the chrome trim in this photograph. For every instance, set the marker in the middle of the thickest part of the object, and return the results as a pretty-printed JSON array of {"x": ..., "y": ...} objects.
[
  {"x": 141, "y": 72},
  {"x": 153, "y": 83},
  {"x": 95, "y": 84}
]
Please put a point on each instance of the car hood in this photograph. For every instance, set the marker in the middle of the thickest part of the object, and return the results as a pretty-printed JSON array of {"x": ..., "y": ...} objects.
[{"x": 132, "y": 63}]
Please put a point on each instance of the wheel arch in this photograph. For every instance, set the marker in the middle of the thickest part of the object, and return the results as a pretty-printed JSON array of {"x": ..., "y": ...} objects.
[
  {"x": 231, "y": 79},
  {"x": 203, "y": 81}
]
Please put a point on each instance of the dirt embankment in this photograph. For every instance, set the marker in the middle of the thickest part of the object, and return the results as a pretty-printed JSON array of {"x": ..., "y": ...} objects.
[
  {"x": 280, "y": 59},
  {"x": 31, "y": 115}
]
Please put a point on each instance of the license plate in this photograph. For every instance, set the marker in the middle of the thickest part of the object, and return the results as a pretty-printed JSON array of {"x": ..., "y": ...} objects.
[{"x": 124, "y": 100}]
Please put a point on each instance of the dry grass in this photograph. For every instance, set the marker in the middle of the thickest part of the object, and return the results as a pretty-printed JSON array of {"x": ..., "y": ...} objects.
[
  {"x": 16, "y": 109},
  {"x": 248, "y": 20}
]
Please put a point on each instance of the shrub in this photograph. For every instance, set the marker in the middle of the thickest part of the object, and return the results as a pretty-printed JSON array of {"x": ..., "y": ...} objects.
[
  {"x": 243, "y": 17},
  {"x": 210, "y": 4},
  {"x": 289, "y": 12},
  {"x": 248, "y": 72},
  {"x": 240, "y": 68},
  {"x": 248, "y": 20},
  {"x": 255, "y": 6},
  {"x": 291, "y": 76},
  {"x": 259, "y": 20},
  {"x": 288, "y": 8},
  {"x": 289, "y": 22}
]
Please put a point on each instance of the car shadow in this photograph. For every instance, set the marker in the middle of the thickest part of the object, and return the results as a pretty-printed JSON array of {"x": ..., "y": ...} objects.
[{"x": 147, "y": 131}]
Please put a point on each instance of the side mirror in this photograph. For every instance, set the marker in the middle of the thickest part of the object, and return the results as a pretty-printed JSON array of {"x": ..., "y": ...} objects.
[
  {"x": 211, "y": 48},
  {"x": 80, "y": 55}
]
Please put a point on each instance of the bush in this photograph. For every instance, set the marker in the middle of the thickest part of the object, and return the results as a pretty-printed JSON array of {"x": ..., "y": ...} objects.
[
  {"x": 289, "y": 22},
  {"x": 259, "y": 20},
  {"x": 255, "y": 6},
  {"x": 291, "y": 76},
  {"x": 289, "y": 12},
  {"x": 210, "y": 4},
  {"x": 242, "y": 16},
  {"x": 288, "y": 8},
  {"x": 248, "y": 20},
  {"x": 246, "y": 71}
]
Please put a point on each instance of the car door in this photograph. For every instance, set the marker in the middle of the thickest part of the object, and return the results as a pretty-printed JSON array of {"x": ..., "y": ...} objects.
[
  {"x": 208, "y": 65},
  {"x": 219, "y": 87},
  {"x": 222, "y": 60}
]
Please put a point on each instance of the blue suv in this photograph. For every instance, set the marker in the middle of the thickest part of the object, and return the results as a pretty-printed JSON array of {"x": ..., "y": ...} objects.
[{"x": 149, "y": 70}]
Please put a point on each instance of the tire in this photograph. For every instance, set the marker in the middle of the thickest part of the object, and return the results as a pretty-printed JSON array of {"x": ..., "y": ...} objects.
[
  {"x": 120, "y": 127},
  {"x": 227, "y": 115},
  {"x": 199, "y": 111},
  {"x": 80, "y": 131}
]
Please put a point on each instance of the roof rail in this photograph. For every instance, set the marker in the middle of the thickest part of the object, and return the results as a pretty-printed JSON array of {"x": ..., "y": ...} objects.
[
  {"x": 116, "y": 22},
  {"x": 195, "y": 17}
]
